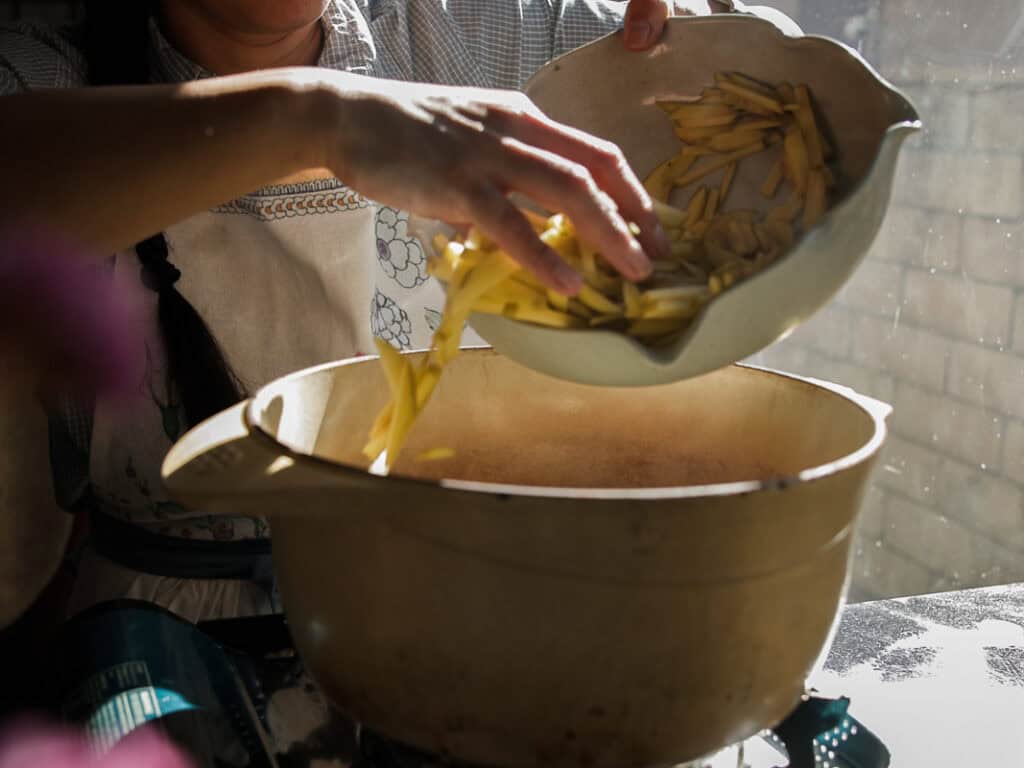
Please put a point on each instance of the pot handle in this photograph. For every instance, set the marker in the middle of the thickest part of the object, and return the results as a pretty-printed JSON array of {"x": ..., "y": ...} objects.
[
  {"x": 215, "y": 459},
  {"x": 224, "y": 466}
]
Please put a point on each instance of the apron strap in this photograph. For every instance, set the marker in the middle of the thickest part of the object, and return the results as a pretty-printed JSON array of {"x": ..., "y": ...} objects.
[
  {"x": 142, "y": 550},
  {"x": 70, "y": 428}
]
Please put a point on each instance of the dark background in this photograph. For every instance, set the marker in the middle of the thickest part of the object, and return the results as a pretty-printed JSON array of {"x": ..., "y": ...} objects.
[{"x": 54, "y": 11}]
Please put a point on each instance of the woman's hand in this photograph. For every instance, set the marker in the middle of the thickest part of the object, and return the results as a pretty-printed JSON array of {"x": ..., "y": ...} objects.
[
  {"x": 455, "y": 153},
  {"x": 645, "y": 19}
]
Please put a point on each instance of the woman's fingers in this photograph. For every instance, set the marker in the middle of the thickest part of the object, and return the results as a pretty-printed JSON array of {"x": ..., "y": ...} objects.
[
  {"x": 561, "y": 185},
  {"x": 644, "y": 22},
  {"x": 603, "y": 160},
  {"x": 501, "y": 221}
]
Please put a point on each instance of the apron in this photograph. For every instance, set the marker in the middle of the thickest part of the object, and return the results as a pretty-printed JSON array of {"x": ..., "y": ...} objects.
[{"x": 292, "y": 276}]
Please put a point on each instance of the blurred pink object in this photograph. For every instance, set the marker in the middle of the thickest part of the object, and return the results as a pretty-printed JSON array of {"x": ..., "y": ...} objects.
[
  {"x": 62, "y": 318},
  {"x": 34, "y": 745}
]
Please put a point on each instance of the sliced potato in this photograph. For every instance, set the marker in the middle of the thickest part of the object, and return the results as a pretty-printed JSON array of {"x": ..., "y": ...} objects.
[
  {"x": 811, "y": 136},
  {"x": 746, "y": 93},
  {"x": 718, "y": 163},
  {"x": 695, "y": 208},
  {"x": 814, "y": 207},
  {"x": 771, "y": 184},
  {"x": 727, "y": 179},
  {"x": 712, "y": 206},
  {"x": 436, "y": 454},
  {"x": 796, "y": 162},
  {"x": 660, "y": 181}
]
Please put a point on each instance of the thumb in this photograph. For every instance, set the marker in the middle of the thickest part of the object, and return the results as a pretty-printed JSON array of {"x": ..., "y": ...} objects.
[{"x": 644, "y": 22}]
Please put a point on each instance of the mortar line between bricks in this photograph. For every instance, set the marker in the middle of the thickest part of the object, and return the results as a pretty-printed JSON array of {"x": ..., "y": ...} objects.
[
  {"x": 1011, "y": 336},
  {"x": 1006, "y": 350},
  {"x": 967, "y": 148},
  {"x": 972, "y": 151},
  {"x": 972, "y": 103},
  {"x": 830, "y": 358},
  {"x": 933, "y": 573},
  {"x": 1000, "y": 548},
  {"x": 933, "y": 447},
  {"x": 910, "y": 205},
  {"x": 958, "y": 400},
  {"x": 951, "y": 457},
  {"x": 899, "y": 552},
  {"x": 983, "y": 86},
  {"x": 961, "y": 273},
  {"x": 1004, "y": 457}
]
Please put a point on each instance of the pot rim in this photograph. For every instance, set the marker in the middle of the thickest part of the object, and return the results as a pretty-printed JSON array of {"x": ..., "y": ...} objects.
[{"x": 876, "y": 410}]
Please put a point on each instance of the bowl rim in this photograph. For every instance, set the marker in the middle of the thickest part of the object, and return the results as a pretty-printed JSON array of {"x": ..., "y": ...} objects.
[
  {"x": 875, "y": 410},
  {"x": 668, "y": 357}
]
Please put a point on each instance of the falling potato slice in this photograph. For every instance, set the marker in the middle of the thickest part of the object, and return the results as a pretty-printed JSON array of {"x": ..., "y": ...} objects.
[
  {"x": 436, "y": 454},
  {"x": 392, "y": 361},
  {"x": 404, "y": 412},
  {"x": 427, "y": 379}
]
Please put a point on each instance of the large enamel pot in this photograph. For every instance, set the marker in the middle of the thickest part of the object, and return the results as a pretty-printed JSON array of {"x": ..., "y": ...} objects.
[{"x": 606, "y": 578}]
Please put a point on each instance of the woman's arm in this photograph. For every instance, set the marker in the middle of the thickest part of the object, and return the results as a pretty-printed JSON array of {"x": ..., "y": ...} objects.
[{"x": 109, "y": 166}]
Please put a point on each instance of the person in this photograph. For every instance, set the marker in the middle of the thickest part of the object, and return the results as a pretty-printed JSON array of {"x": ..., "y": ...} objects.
[{"x": 259, "y": 159}]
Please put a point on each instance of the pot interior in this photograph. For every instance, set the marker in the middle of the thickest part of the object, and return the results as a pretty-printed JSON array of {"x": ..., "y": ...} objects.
[{"x": 510, "y": 425}]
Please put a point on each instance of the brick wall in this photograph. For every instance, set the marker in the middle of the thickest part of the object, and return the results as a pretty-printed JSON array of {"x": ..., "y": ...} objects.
[{"x": 933, "y": 322}]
